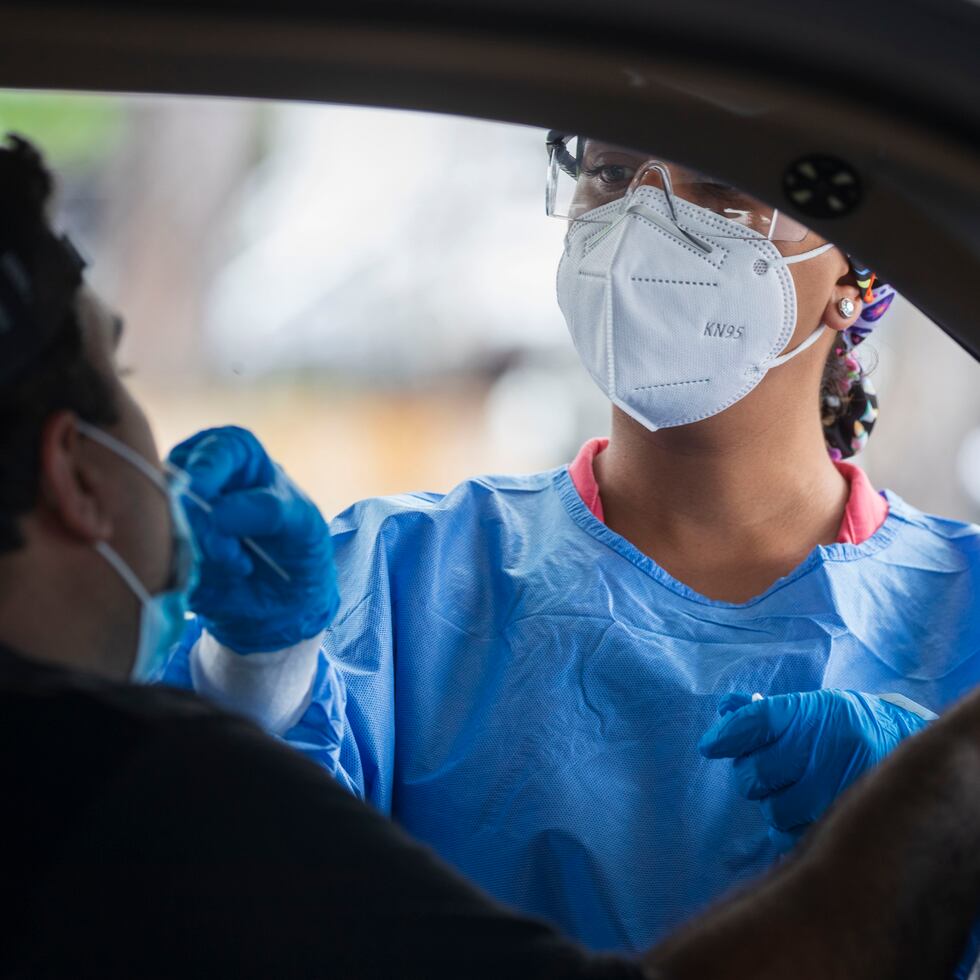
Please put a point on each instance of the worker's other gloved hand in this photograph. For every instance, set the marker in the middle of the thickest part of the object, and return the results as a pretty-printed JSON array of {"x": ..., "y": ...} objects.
[
  {"x": 795, "y": 753},
  {"x": 243, "y": 601}
]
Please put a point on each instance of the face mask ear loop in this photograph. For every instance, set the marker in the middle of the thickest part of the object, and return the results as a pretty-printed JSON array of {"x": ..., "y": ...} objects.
[
  {"x": 124, "y": 572},
  {"x": 815, "y": 336},
  {"x": 114, "y": 445},
  {"x": 811, "y": 254},
  {"x": 806, "y": 345},
  {"x": 148, "y": 470}
]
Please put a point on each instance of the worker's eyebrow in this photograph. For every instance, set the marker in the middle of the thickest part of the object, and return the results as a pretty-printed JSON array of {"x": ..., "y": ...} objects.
[{"x": 118, "y": 326}]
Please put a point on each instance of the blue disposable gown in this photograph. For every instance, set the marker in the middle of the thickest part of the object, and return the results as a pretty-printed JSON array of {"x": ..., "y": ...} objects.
[{"x": 524, "y": 690}]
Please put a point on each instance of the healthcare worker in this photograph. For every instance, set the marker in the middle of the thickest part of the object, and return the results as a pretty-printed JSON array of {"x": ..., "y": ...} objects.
[{"x": 544, "y": 677}]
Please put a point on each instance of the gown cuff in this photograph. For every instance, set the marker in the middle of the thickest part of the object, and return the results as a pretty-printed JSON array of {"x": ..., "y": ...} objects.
[
  {"x": 274, "y": 689},
  {"x": 900, "y": 701}
]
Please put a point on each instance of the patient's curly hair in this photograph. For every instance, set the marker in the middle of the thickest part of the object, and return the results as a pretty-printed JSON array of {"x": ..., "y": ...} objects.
[{"x": 60, "y": 376}]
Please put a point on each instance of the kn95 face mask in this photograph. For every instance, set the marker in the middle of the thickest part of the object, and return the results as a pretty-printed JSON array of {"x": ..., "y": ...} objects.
[{"x": 676, "y": 311}]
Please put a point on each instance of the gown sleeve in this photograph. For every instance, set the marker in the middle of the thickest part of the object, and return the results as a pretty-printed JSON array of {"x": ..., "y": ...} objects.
[{"x": 352, "y": 739}]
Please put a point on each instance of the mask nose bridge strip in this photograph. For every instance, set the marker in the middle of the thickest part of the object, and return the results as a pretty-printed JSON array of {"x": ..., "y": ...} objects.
[
  {"x": 671, "y": 227},
  {"x": 668, "y": 183}
]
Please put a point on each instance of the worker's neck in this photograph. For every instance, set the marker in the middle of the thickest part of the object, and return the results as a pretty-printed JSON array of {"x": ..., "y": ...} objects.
[
  {"x": 749, "y": 490},
  {"x": 61, "y": 608}
]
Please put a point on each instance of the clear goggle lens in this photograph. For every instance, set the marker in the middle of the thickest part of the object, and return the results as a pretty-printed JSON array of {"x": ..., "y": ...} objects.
[{"x": 586, "y": 174}]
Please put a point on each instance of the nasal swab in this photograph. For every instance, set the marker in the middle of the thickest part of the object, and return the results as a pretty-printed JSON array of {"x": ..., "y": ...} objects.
[
  {"x": 249, "y": 543},
  {"x": 120, "y": 448}
]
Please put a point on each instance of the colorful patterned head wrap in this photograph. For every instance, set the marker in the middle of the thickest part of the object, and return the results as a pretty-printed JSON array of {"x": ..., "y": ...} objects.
[
  {"x": 849, "y": 414},
  {"x": 876, "y": 297}
]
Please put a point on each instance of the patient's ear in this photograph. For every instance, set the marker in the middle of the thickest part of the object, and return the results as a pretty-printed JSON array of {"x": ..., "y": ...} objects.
[{"x": 72, "y": 482}]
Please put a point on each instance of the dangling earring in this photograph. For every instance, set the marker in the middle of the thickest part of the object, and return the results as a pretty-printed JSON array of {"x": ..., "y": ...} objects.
[{"x": 845, "y": 307}]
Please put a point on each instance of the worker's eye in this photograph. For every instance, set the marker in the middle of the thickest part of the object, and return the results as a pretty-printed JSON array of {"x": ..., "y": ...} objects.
[{"x": 610, "y": 175}]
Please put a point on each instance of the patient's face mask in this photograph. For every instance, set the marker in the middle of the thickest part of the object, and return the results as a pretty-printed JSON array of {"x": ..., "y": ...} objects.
[
  {"x": 677, "y": 305},
  {"x": 162, "y": 616}
]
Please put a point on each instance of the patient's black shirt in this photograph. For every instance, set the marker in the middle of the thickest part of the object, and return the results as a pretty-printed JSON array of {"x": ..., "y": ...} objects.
[{"x": 147, "y": 834}]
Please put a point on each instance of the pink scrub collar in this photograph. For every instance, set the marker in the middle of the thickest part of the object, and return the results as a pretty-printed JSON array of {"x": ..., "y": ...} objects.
[{"x": 865, "y": 512}]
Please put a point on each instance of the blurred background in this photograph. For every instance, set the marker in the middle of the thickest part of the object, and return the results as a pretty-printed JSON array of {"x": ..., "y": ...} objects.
[{"x": 373, "y": 293}]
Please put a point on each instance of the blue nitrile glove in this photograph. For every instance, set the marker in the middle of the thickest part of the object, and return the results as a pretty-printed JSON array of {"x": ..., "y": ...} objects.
[
  {"x": 796, "y": 753},
  {"x": 245, "y": 602},
  {"x": 969, "y": 959}
]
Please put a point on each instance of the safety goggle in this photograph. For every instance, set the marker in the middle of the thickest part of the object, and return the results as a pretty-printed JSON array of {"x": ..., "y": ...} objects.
[{"x": 585, "y": 174}]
